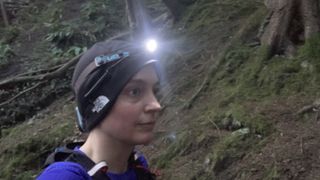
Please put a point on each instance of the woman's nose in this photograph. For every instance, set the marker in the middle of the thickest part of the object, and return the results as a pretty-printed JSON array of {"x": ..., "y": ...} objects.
[{"x": 152, "y": 104}]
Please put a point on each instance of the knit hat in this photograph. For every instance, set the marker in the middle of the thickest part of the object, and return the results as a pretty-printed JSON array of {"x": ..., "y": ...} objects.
[{"x": 100, "y": 76}]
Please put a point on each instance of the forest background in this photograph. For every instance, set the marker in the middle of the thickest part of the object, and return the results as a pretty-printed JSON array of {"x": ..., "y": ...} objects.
[{"x": 241, "y": 100}]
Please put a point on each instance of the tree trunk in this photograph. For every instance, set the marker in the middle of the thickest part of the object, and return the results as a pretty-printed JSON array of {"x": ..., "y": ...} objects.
[
  {"x": 290, "y": 23},
  {"x": 4, "y": 13},
  {"x": 129, "y": 12},
  {"x": 139, "y": 20},
  {"x": 275, "y": 33},
  {"x": 311, "y": 18},
  {"x": 175, "y": 8}
]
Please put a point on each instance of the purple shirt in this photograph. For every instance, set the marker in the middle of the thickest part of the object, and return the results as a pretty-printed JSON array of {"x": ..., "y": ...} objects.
[{"x": 74, "y": 171}]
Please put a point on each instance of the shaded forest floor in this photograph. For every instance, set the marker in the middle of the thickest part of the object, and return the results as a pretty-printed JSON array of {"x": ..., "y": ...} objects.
[{"x": 242, "y": 124}]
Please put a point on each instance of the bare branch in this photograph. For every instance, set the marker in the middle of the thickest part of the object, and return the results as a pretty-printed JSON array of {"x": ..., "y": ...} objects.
[
  {"x": 41, "y": 77},
  {"x": 20, "y": 78},
  {"x": 21, "y": 93},
  {"x": 40, "y": 71}
]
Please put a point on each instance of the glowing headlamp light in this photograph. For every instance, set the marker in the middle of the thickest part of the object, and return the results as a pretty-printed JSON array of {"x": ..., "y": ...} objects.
[{"x": 151, "y": 45}]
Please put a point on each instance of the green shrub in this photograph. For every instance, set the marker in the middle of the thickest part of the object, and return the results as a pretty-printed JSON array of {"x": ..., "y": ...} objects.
[
  {"x": 5, "y": 53},
  {"x": 61, "y": 34},
  {"x": 104, "y": 16},
  {"x": 311, "y": 48},
  {"x": 9, "y": 34}
]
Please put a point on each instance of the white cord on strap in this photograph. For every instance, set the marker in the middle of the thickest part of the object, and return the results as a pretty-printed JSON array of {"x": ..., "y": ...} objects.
[{"x": 97, "y": 167}]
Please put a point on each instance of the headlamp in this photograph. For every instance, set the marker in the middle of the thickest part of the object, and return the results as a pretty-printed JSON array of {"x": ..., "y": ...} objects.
[{"x": 151, "y": 45}]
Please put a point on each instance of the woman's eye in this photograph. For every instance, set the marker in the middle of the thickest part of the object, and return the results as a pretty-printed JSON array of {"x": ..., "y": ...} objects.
[
  {"x": 157, "y": 93},
  {"x": 135, "y": 92}
]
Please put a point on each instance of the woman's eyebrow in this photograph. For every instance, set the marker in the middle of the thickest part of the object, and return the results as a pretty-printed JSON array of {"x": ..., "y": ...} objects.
[
  {"x": 136, "y": 81},
  {"x": 142, "y": 81}
]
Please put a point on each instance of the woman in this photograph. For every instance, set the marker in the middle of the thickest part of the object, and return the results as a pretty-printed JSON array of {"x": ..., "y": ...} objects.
[{"x": 115, "y": 85}]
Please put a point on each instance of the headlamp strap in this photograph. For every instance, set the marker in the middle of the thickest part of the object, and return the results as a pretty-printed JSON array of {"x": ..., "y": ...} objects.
[{"x": 98, "y": 61}]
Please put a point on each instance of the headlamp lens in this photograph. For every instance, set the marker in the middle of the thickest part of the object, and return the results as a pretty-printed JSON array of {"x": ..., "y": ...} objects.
[{"x": 151, "y": 45}]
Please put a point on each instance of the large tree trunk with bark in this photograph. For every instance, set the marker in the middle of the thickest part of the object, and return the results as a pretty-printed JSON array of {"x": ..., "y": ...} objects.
[
  {"x": 310, "y": 16},
  {"x": 139, "y": 20},
  {"x": 176, "y": 7},
  {"x": 289, "y": 23}
]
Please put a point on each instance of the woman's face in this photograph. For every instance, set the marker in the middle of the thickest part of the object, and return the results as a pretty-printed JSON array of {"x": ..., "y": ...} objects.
[{"x": 133, "y": 116}]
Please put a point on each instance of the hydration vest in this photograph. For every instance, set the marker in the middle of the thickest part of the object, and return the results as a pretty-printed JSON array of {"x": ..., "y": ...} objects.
[{"x": 99, "y": 170}]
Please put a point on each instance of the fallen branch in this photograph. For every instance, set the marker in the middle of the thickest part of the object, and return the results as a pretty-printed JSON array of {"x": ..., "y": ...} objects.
[
  {"x": 306, "y": 109},
  {"x": 21, "y": 93},
  {"x": 216, "y": 126},
  {"x": 41, "y": 71},
  {"x": 301, "y": 145},
  {"x": 202, "y": 87},
  {"x": 315, "y": 106}
]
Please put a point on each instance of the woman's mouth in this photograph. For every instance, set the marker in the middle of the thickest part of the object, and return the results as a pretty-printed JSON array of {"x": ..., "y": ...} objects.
[{"x": 147, "y": 125}]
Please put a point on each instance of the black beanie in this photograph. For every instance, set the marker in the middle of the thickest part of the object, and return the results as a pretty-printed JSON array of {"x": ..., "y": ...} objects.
[{"x": 97, "y": 86}]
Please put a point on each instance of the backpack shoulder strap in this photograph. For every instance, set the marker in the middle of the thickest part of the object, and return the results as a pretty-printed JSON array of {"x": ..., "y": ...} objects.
[
  {"x": 96, "y": 171},
  {"x": 67, "y": 153},
  {"x": 142, "y": 172}
]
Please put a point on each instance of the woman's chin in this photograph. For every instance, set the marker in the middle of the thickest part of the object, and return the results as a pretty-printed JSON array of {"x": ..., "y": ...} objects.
[{"x": 145, "y": 139}]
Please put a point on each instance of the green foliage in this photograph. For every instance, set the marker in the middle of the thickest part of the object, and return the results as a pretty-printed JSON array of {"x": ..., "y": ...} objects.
[
  {"x": 60, "y": 34},
  {"x": 178, "y": 148},
  {"x": 93, "y": 9},
  {"x": 9, "y": 34},
  {"x": 98, "y": 19},
  {"x": 285, "y": 76},
  {"x": 236, "y": 116},
  {"x": 230, "y": 148},
  {"x": 255, "y": 122},
  {"x": 55, "y": 15},
  {"x": 249, "y": 73},
  {"x": 58, "y": 54},
  {"x": 235, "y": 58},
  {"x": 272, "y": 173},
  {"x": 64, "y": 35},
  {"x": 207, "y": 13},
  {"x": 5, "y": 53},
  {"x": 311, "y": 48},
  {"x": 25, "y": 159},
  {"x": 103, "y": 17},
  {"x": 75, "y": 51}
]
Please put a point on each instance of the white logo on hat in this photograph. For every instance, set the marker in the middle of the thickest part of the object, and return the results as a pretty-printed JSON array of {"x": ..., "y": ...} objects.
[{"x": 99, "y": 103}]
